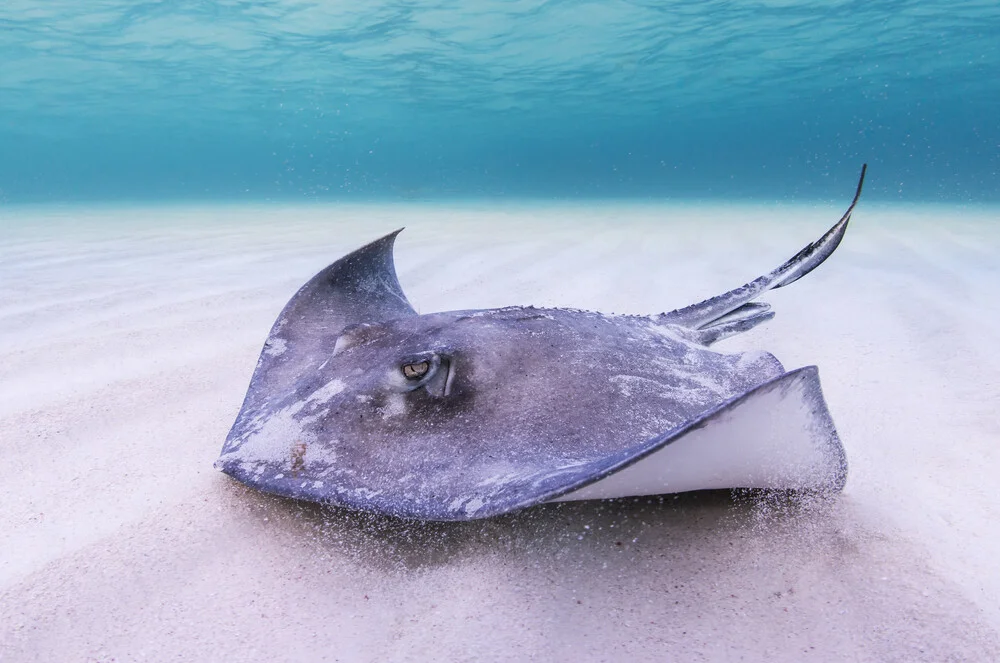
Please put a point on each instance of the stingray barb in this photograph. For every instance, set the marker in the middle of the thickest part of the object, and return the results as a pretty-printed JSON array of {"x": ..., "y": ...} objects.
[
  {"x": 735, "y": 311},
  {"x": 359, "y": 401}
]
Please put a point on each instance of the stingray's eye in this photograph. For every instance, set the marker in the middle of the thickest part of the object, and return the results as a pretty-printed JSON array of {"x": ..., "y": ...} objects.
[
  {"x": 416, "y": 371},
  {"x": 420, "y": 371}
]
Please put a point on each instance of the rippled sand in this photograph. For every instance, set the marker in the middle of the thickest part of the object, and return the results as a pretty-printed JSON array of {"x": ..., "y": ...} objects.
[{"x": 128, "y": 336}]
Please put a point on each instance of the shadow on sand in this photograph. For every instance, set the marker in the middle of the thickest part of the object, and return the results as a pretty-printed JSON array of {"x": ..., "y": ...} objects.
[{"x": 702, "y": 522}]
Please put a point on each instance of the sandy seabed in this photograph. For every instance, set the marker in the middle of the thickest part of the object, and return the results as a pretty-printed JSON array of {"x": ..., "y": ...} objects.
[{"x": 128, "y": 336}]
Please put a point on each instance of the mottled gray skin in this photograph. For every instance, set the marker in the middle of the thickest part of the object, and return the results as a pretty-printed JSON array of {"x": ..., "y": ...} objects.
[
  {"x": 533, "y": 395},
  {"x": 520, "y": 405}
]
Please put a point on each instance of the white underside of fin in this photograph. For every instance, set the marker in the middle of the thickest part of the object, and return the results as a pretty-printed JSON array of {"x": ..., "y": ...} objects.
[{"x": 780, "y": 436}]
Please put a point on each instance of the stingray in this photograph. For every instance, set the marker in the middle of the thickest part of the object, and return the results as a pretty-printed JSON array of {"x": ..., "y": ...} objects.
[{"x": 359, "y": 401}]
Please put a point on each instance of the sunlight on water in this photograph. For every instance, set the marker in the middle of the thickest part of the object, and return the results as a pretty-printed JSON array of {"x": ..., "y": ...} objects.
[{"x": 421, "y": 99}]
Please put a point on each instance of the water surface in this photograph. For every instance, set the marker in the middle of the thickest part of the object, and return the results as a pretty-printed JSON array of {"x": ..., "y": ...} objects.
[{"x": 432, "y": 99}]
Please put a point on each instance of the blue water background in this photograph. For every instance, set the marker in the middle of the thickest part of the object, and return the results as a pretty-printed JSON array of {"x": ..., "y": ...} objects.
[{"x": 119, "y": 100}]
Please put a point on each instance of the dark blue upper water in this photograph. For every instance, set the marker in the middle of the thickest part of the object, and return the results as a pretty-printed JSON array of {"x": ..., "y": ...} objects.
[{"x": 431, "y": 99}]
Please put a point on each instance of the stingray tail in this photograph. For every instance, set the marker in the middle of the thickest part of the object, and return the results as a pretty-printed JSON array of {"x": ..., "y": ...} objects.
[{"x": 734, "y": 311}]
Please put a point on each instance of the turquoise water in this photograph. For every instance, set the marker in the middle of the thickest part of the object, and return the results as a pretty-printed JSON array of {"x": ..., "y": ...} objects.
[{"x": 110, "y": 100}]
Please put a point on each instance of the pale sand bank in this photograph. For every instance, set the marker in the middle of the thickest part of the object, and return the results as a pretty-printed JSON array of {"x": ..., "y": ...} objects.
[{"x": 127, "y": 338}]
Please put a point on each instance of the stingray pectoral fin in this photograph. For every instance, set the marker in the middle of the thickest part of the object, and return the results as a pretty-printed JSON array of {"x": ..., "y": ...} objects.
[
  {"x": 777, "y": 436},
  {"x": 710, "y": 311},
  {"x": 359, "y": 288}
]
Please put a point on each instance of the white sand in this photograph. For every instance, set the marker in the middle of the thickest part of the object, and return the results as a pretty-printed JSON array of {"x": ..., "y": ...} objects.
[{"x": 127, "y": 338}]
